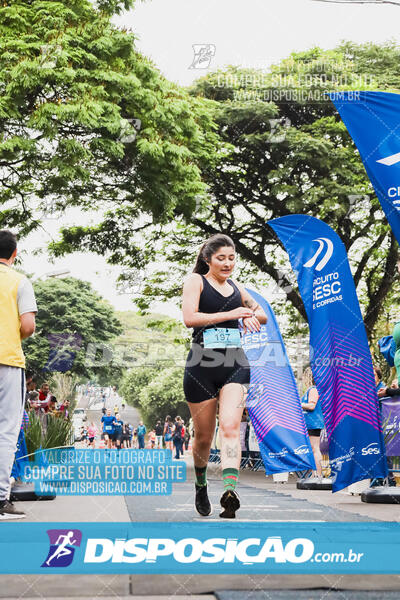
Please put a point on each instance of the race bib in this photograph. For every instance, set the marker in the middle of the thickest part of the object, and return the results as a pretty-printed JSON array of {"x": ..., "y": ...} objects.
[
  {"x": 108, "y": 427},
  {"x": 221, "y": 337}
]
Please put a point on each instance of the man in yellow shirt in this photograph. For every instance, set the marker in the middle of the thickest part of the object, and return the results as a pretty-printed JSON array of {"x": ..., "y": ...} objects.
[{"x": 17, "y": 321}]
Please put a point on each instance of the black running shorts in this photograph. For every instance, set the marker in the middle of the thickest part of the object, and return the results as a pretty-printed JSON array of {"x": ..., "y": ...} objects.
[
  {"x": 208, "y": 370},
  {"x": 314, "y": 432}
]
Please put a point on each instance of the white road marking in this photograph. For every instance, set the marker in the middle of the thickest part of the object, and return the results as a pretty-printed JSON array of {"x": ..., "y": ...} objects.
[
  {"x": 208, "y": 520},
  {"x": 271, "y": 508}
]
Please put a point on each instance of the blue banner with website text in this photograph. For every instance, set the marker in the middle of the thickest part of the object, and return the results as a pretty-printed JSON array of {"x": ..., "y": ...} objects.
[
  {"x": 173, "y": 548},
  {"x": 373, "y": 121},
  {"x": 339, "y": 354},
  {"x": 273, "y": 400}
]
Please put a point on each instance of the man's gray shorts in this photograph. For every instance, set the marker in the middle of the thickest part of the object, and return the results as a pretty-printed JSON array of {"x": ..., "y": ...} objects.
[{"x": 12, "y": 399}]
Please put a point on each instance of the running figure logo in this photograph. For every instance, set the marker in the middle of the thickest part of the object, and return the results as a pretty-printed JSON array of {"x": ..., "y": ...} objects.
[
  {"x": 323, "y": 242},
  {"x": 62, "y": 547},
  {"x": 203, "y": 54}
]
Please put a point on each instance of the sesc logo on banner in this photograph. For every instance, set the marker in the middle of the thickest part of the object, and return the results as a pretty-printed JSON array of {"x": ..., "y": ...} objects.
[{"x": 323, "y": 243}]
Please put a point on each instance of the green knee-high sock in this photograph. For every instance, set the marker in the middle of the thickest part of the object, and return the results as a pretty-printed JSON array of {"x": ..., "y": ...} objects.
[
  {"x": 230, "y": 478},
  {"x": 201, "y": 475}
]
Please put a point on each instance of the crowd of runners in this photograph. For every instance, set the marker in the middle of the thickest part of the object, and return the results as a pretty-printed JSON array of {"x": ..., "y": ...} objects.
[{"x": 112, "y": 431}]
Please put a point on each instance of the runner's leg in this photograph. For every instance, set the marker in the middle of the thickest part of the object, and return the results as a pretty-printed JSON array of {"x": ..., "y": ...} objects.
[
  {"x": 204, "y": 418},
  {"x": 230, "y": 416}
]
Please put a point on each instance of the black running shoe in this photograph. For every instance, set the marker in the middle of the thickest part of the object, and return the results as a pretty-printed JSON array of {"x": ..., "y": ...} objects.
[
  {"x": 202, "y": 502},
  {"x": 8, "y": 511},
  {"x": 231, "y": 503}
]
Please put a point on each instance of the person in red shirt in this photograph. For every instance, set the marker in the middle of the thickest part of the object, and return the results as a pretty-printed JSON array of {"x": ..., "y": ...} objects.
[{"x": 44, "y": 391}]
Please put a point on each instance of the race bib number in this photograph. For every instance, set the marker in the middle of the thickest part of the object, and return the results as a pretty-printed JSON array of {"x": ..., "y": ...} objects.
[
  {"x": 221, "y": 338},
  {"x": 108, "y": 427}
]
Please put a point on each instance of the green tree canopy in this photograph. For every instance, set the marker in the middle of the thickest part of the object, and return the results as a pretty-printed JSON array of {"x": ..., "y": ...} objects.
[
  {"x": 285, "y": 150},
  {"x": 134, "y": 381},
  {"x": 71, "y": 315},
  {"x": 156, "y": 393},
  {"x": 73, "y": 90}
]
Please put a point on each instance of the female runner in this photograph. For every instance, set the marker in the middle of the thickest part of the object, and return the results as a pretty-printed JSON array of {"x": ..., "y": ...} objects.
[{"x": 216, "y": 366}]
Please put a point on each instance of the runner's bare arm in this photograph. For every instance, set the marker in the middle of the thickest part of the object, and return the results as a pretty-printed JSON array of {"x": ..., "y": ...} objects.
[
  {"x": 249, "y": 302},
  {"x": 190, "y": 306}
]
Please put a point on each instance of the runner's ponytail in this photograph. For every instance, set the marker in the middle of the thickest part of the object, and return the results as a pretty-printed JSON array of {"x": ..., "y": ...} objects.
[{"x": 201, "y": 266}]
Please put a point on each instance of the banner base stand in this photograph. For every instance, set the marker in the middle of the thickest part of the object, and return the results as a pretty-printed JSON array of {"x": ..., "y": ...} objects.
[
  {"x": 25, "y": 492},
  {"x": 314, "y": 483},
  {"x": 382, "y": 495}
]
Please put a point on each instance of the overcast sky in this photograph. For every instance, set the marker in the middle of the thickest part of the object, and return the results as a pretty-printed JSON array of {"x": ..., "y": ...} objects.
[{"x": 251, "y": 33}]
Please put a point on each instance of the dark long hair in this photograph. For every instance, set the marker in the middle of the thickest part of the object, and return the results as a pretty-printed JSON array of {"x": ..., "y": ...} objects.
[{"x": 209, "y": 248}]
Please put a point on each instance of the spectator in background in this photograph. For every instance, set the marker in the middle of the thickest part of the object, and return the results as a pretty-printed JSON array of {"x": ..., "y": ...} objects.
[
  {"x": 44, "y": 392},
  {"x": 130, "y": 427},
  {"x": 378, "y": 379},
  {"x": 118, "y": 435},
  {"x": 152, "y": 438},
  {"x": 183, "y": 436},
  {"x": 83, "y": 434},
  {"x": 168, "y": 427},
  {"x": 125, "y": 435},
  {"x": 391, "y": 391},
  {"x": 134, "y": 437},
  {"x": 45, "y": 397},
  {"x": 108, "y": 427},
  {"x": 384, "y": 392},
  {"x": 141, "y": 432},
  {"x": 92, "y": 432},
  {"x": 64, "y": 408},
  {"x": 48, "y": 405},
  {"x": 177, "y": 437},
  {"x": 33, "y": 400},
  {"x": 30, "y": 387},
  {"x": 186, "y": 438},
  {"x": 159, "y": 430},
  {"x": 17, "y": 322},
  {"x": 314, "y": 418},
  {"x": 51, "y": 406}
]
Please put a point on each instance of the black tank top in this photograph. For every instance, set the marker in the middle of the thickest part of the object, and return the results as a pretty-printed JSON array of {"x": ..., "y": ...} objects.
[{"x": 212, "y": 301}]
